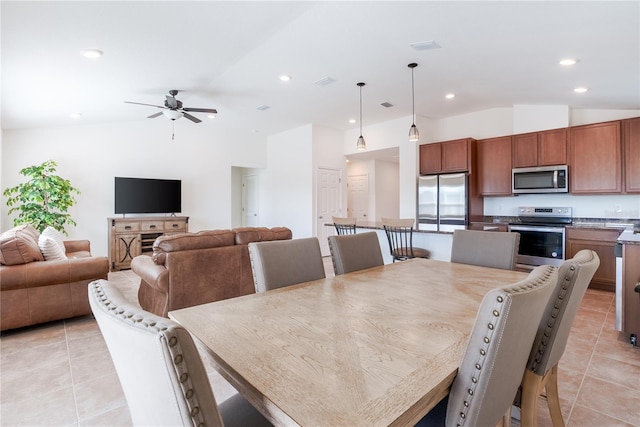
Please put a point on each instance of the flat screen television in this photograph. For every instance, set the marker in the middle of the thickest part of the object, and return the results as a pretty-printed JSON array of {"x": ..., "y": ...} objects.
[{"x": 144, "y": 195}]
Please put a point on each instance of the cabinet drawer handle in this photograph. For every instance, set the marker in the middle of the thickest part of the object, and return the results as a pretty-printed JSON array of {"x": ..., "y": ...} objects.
[
  {"x": 174, "y": 225},
  {"x": 152, "y": 226},
  {"x": 127, "y": 227}
]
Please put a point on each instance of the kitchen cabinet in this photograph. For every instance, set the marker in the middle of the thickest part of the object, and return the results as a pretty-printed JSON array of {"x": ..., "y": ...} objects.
[
  {"x": 602, "y": 242},
  {"x": 545, "y": 148},
  {"x": 595, "y": 159},
  {"x": 130, "y": 237},
  {"x": 447, "y": 156},
  {"x": 630, "y": 298},
  {"x": 494, "y": 166},
  {"x": 631, "y": 137}
]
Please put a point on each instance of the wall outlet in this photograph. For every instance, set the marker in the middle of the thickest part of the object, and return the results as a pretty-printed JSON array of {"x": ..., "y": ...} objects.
[{"x": 618, "y": 208}]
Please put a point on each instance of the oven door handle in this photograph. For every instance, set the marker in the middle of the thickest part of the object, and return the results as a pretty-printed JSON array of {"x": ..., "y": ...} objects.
[{"x": 536, "y": 228}]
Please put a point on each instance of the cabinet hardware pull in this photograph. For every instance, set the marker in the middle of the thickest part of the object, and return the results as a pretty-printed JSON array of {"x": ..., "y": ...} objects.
[{"x": 127, "y": 227}]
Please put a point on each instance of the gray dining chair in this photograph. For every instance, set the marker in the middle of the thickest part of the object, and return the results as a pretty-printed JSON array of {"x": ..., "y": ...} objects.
[
  {"x": 550, "y": 342},
  {"x": 353, "y": 252},
  {"x": 344, "y": 225},
  {"x": 159, "y": 367},
  {"x": 496, "y": 355},
  {"x": 399, "y": 233},
  {"x": 282, "y": 263},
  {"x": 485, "y": 248}
]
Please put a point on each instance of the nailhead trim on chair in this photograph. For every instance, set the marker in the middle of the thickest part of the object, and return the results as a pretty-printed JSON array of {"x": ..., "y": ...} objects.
[
  {"x": 552, "y": 317},
  {"x": 175, "y": 350},
  {"x": 486, "y": 341}
]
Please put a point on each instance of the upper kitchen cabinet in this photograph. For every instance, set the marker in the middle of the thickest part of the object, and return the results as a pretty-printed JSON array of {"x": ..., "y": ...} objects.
[
  {"x": 595, "y": 159},
  {"x": 544, "y": 148},
  {"x": 631, "y": 136},
  {"x": 446, "y": 157},
  {"x": 494, "y": 166}
]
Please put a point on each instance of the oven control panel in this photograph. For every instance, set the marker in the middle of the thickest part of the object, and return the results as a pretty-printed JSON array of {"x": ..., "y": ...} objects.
[{"x": 545, "y": 211}]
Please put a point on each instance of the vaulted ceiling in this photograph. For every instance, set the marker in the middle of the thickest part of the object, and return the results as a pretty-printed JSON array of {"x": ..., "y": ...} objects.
[{"x": 229, "y": 55}]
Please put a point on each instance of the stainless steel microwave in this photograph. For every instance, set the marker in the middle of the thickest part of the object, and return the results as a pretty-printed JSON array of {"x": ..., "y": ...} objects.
[{"x": 543, "y": 179}]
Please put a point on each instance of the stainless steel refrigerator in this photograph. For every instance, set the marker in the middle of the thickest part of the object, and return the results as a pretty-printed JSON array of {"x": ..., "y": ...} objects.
[{"x": 442, "y": 202}]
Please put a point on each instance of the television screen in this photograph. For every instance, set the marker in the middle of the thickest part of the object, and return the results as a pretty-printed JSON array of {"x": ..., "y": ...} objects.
[{"x": 143, "y": 195}]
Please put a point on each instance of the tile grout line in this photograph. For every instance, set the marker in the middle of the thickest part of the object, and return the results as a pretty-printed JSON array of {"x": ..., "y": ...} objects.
[
  {"x": 593, "y": 351},
  {"x": 73, "y": 383}
]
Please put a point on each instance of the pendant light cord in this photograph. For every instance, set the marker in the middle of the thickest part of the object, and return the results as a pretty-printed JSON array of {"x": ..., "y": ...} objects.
[
  {"x": 413, "y": 98},
  {"x": 360, "y": 110}
]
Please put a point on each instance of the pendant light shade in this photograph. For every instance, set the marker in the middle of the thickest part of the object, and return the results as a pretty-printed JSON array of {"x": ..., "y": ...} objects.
[
  {"x": 414, "y": 135},
  {"x": 361, "y": 145}
]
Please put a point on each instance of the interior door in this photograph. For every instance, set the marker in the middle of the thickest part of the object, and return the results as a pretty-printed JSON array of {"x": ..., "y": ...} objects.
[
  {"x": 328, "y": 193},
  {"x": 358, "y": 197},
  {"x": 250, "y": 200}
]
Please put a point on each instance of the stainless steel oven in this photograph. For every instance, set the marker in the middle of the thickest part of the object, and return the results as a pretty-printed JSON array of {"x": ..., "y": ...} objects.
[{"x": 542, "y": 235}]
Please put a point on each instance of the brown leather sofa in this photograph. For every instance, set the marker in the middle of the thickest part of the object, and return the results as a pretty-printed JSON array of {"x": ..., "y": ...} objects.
[
  {"x": 188, "y": 269},
  {"x": 33, "y": 290}
]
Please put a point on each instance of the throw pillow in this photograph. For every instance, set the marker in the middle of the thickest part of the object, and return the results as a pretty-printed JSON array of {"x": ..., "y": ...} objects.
[
  {"x": 56, "y": 236},
  {"x": 50, "y": 248},
  {"x": 20, "y": 246}
]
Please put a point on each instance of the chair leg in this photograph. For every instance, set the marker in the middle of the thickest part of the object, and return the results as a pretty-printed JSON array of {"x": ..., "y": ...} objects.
[
  {"x": 553, "y": 399},
  {"x": 532, "y": 385}
]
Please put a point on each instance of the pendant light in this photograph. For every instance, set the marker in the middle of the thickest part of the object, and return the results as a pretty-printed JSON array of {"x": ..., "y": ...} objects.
[
  {"x": 361, "y": 145},
  {"x": 414, "y": 135}
]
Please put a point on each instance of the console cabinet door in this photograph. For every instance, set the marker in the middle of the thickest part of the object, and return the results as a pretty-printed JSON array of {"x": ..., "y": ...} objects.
[
  {"x": 494, "y": 166},
  {"x": 127, "y": 246},
  {"x": 632, "y": 155},
  {"x": 595, "y": 158}
]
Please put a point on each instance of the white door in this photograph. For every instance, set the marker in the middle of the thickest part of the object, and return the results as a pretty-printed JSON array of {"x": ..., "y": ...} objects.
[
  {"x": 250, "y": 200},
  {"x": 358, "y": 197},
  {"x": 328, "y": 193}
]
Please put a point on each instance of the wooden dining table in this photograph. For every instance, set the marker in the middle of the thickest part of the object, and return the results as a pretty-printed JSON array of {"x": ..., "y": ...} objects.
[{"x": 375, "y": 347}]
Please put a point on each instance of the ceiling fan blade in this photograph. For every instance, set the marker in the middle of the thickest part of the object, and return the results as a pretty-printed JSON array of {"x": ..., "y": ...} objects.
[
  {"x": 153, "y": 116},
  {"x": 172, "y": 102},
  {"x": 193, "y": 119},
  {"x": 202, "y": 110},
  {"x": 140, "y": 103}
]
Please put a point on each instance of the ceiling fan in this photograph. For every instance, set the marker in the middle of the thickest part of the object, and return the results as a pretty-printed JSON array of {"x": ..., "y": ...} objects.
[{"x": 173, "y": 108}]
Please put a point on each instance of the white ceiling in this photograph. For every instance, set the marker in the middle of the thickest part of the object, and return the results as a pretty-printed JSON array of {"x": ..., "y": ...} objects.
[{"x": 229, "y": 55}]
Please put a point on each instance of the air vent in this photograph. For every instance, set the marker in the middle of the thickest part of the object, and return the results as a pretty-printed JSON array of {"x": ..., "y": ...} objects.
[
  {"x": 262, "y": 107},
  {"x": 386, "y": 104},
  {"x": 425, "y": 45},
  {"x": 325, "y": 81}
]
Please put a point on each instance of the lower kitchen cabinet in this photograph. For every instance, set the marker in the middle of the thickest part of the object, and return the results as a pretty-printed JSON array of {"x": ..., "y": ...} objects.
[{"x": 602, "y": 242}]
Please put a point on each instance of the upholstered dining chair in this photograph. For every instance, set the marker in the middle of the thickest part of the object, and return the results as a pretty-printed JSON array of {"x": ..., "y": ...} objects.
[
  {"x": 400, "y": 237},
  {"x": 344, "y": 225},
  {"x": 161, "y": 373},
  {"x": 282, "y": 263},
  {"x": 353, "y": 252},
  {"x": 485, "y": 248},
  {"x": 496, "y": 355},
  {"x": 550, "y": 342}
]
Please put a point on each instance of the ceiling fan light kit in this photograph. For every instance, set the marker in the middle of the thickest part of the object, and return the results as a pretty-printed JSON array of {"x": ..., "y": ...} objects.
[{"x": 173, "y": 108}]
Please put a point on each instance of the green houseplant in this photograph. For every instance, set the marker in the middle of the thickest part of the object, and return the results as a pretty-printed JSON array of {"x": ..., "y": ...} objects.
[{"x": 43, "y": 200}]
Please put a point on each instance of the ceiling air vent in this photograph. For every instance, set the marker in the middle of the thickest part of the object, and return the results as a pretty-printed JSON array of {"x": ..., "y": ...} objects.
[
  {"x": 386, "y": 104},
  {"x": 425, "y": 45},
  {"x": 262, "y": 107},
  {"x": 324, "y": 82}
]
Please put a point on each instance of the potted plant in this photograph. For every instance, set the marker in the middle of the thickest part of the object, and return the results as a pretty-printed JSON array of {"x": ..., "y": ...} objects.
[{"x": 43, "y": 200}]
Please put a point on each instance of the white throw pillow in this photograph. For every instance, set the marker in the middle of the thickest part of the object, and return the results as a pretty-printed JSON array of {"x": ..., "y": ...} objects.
[
  {"x": 50, "y": 249},
  {"x": 56, "y": 236}
]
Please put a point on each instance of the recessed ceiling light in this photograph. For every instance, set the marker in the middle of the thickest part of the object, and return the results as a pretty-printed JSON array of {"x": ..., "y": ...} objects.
[
  {"x": 212, "y": 116},
  {"x": 285, "y": 78},
  {"x": 352, "y": 120},
  {"x": 75, "y": 115},
  {"x": 450, "y": 95},
  {"x": 568, "y": 61},
  {"x": 580, "y": 90},
  {"x": 91, "y": 53}
]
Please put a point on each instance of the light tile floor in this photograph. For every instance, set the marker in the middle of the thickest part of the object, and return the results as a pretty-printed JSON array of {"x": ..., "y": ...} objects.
[{"x": 61, "y": 374}]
